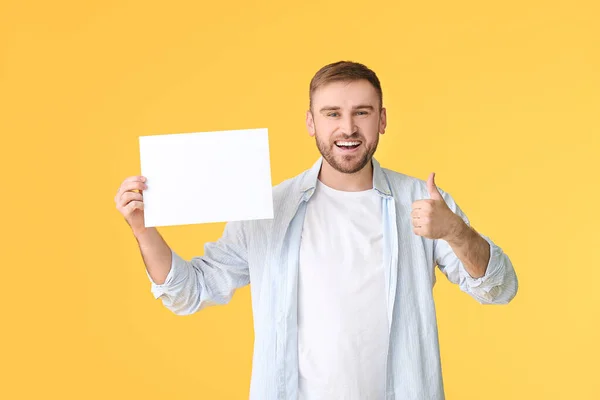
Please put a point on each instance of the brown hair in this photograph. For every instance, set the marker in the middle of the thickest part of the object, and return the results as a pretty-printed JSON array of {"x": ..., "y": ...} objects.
[{"x": 344, "y": 71}]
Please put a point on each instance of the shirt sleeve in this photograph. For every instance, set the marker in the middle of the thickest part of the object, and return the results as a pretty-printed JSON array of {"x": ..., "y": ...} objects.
[
  {"x": 499, "y": 285},
  {"x": 206, "y": 280}
]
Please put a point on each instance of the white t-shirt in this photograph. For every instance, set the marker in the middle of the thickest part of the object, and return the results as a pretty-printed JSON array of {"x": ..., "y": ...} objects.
[{"x": 342, "y": 315}]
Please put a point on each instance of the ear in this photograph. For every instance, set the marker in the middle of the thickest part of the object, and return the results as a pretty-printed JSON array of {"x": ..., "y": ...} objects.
[
  {"x": 382, "y": 121},
  {"x": 310, "y": 123}
]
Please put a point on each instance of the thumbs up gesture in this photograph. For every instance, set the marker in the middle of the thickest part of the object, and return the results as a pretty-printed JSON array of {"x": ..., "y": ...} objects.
[{"x": 432, "y": 218}]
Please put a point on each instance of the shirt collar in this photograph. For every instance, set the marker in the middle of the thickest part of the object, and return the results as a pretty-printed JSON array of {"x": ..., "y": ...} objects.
[{"x": 380, "y": 183}]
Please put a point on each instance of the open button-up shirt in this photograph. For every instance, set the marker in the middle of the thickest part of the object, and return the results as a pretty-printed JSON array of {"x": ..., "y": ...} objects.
[{"x": 264, "y": 254}]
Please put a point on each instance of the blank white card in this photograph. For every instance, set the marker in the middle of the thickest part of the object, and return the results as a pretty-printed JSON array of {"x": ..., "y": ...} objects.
[{"x": 206, "y": 177}]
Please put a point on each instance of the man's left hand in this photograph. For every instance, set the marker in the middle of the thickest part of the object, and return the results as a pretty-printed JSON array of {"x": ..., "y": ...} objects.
[{"x": 432, "y": 218}]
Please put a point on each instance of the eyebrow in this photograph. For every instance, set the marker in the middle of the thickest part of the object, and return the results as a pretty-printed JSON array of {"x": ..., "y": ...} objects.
[{"x": 335, "y": 108}]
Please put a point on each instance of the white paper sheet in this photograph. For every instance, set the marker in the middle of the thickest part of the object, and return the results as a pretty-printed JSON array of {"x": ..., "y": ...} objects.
[{"x": 206, "y": 177}]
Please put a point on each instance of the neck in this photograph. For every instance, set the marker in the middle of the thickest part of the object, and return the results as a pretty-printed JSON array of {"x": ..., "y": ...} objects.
[{"x": 355, "y": 182}]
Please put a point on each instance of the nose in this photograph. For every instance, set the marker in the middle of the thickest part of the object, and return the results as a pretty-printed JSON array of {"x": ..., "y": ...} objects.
[{"x": 348, "y": 126}]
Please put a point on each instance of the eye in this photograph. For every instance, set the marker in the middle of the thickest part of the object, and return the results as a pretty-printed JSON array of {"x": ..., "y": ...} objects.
[
  {"x": 361, "y": 113},
  {"x": 332, "y": 114}
]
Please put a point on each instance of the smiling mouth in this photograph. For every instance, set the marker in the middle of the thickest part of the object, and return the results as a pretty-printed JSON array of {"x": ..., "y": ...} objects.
[{"x": 347, "y": 144}]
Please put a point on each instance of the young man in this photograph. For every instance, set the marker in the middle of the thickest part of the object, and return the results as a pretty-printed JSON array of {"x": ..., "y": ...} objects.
[{"x": 342, "y": 277}]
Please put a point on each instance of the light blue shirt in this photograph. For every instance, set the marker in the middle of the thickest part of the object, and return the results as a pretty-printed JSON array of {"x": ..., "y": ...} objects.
[{"x": 265, "y": 254}]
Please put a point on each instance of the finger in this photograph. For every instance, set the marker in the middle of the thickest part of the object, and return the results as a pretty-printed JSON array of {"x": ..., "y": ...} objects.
[
  {"x": 135, "y": 185},
  {"x": 135, "y": 178},
  {"x": 417, "y": 205},
  {"x": 128, "y": 197},
  {"x": 432, "y": 188},
  {"x": 423, "y": 205},
  {"x": 133, "y": 205},
  {"x": 127, "y": 181}
]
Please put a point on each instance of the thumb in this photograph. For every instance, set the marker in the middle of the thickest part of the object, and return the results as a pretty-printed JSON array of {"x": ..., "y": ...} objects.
[{"x": 432, "y": 188}]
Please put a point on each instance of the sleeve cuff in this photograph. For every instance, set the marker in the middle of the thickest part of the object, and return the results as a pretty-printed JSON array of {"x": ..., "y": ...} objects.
[
  {"x": 177, "y": 266},
  {"x": 493, "y": 272}
]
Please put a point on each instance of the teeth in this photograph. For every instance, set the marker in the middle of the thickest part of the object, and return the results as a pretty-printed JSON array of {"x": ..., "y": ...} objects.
[{"x": 347, "y": 143}]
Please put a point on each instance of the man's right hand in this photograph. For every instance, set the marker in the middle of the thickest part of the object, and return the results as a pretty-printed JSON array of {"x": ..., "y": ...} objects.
[{"x": 131, "y": 203}]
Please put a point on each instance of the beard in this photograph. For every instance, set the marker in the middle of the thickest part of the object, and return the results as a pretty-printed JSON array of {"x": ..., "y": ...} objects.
[{"x": 350, "y": 163}]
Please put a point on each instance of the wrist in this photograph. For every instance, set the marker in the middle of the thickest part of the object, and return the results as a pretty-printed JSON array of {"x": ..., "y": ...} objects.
[
  {"x": 140, "y": 233},
  {"x": 457, "y": 231}
]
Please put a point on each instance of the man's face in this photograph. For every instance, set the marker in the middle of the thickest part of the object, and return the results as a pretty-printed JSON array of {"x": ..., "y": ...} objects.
[{"x": 346, "y": 121}]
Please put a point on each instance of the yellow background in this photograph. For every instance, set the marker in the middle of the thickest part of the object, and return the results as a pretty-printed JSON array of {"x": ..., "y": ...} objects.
[{"x": 500, "y": 99}]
